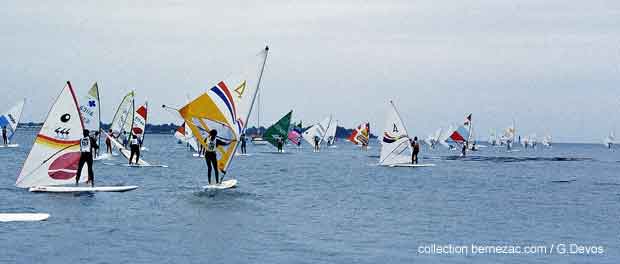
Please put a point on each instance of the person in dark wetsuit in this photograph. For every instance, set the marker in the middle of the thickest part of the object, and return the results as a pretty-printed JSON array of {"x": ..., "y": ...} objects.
[
  {"x": 108, "y": 143},
  {"x": 243, "y": 142},
  {"x": 134, "y": 146},
  {"x": 464, "y": 150},
  {"x": 212, "y": 142},
  {"x": 4, "y": 136},
  {"x": 280, "y": 144},
  {"x": 416, "y": 149},
  {"x": 316, "y": 143},
  {"x": 87, "y": 147}
]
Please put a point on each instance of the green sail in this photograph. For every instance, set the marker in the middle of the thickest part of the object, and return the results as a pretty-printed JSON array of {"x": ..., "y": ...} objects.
[{"x": 279, "y": 129}]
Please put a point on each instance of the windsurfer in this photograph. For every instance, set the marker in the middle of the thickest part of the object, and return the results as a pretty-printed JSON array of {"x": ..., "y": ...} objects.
[
  {"x": 134, "y": 146},
  {"x": 4, "y": 137},
  {"x": 316, "y": 143},
  {"x": 212, "y": 142},
  {"x": 243, "y": 142},
  {"x": 108, "y": 143},
  {"x": 416, "y": 149},
  {"x": 280, "y": 143},
  {"x": 87, "y": 147}
]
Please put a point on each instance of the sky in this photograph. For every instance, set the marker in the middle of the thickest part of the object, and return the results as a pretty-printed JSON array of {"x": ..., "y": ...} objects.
[{"x": 552, "y": 66}]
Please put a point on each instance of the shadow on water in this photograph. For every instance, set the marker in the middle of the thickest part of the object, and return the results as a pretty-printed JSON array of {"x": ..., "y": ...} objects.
[
  {"x": 511, "y": 159},
  {"x": 563, "y": 181}
]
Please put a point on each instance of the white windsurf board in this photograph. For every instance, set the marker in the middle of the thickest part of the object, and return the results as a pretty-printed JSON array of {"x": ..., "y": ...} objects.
[
  {"x": 70, "y": 189},
  {"x": 23, "y": 217},
  {"x": 224, "y": 185}
]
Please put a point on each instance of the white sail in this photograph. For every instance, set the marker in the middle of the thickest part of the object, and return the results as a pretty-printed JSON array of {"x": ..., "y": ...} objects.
[
  {"x": 395, "y": 144},
  {"x": 124, "y": 116},
  {"x": 317, "y": 130},
  {"x": 10, "y": 119},
  {"x": 444, "y": 137},
  {"x": 90, "y": 109},
  {"x": 330, "y": 134},
  {"x": 55, "y": 153}
]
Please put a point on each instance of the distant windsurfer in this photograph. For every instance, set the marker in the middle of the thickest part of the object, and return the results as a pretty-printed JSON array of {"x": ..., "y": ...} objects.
[
  {"x": 108, "y": 142},
  {"x": 416, "y": 149},
  {"x": 316, "y": 143},
  {"x": 134, "y": 147},
  {"x": 280, "y": 144},
  {"x": 125, "y": 139},
  {"x": 464, "y": 150},
  {"x": 97, "y": 149},
  {"x": 88, "y": 145},
  {"x": 5, "y": 140},
  {"x": 212, "y": 142},
  {"x": 243, "y": 140}
]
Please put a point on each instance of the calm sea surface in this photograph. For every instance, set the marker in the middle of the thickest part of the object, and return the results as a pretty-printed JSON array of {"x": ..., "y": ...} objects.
[{"x": 330, "y": 207}]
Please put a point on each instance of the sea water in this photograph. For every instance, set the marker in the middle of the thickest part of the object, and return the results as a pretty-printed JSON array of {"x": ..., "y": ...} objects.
[{"x": 335, "y": 206}]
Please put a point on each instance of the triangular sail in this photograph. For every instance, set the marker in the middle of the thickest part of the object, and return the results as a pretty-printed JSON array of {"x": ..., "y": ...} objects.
[
  {"x": 360, "y": 135},
  {"x": 139, "y": 121},
  {"x": 90, "y": 109},
  {"x": 226, "y": 109},
  {"x": 294, "y": 135},
  {"x": 330, "y": 134},
  {"x": 395, "y": 144},
  {"x": 184, "y": 134},
  {"x": 124, "y": 116},
  {"x": 55, "y": 153},
  {"x": 278, "y": 130},
  {"x": 318, "y": 130},
  {"x": 10, "y": 119}
]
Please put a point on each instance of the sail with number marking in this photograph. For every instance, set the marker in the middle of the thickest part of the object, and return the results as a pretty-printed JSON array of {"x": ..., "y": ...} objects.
[
  {"x": 225, "y": 107},
  {"x": 395, "y": 144},
  {"x": 54, "y": 156},
  {"x": 90, "y": 109}
]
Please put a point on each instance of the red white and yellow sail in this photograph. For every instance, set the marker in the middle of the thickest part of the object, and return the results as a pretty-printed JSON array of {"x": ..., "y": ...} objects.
[
  {"x": 55, "y": 153},
  {"x": 226, "y": 108}
]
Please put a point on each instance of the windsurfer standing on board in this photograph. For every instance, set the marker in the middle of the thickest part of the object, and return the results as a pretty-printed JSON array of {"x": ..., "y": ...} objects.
[
  {"x": 416, "y": 149},
  {"x": 316, "y": 143},
  {"x": 88, "y": 145},
  {"x": 108, "y": 143},
  {"x": 243, "y": 141},
  {"x": 212, "y": 142},
  {"x": 134, "y": 146},
  {"x": 4, "y": 137},
  {"x": 280, "y": 143}
]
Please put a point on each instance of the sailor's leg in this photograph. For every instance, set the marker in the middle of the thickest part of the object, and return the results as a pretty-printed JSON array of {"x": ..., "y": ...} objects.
[
  {"x": 79, "y": 169},
  {"x": 91, "y": 174}
]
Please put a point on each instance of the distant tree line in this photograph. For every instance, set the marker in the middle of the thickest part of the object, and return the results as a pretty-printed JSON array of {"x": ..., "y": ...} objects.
[{"x": 341, "y": 132}]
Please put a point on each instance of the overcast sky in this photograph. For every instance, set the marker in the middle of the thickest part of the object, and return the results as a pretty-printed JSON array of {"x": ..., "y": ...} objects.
[{"x": 551, "y": 65}]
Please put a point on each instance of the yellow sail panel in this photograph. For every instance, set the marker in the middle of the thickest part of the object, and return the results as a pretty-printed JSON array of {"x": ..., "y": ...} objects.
[
  {"x": 203, "y": 115},
  {"x": 204, "y": 107}
]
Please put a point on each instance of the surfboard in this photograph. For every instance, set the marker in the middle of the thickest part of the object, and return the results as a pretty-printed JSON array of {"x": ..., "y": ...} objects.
[
  {"x": 106, "y": 156},
  {"x": 145, "y": 166},
  {"x": 136, "y": 165},
  {"x": 197, "y": 155},
  {"x": 23, "y": 217},
  {"x": 224, "y": 185},
  {"x": 69, "y": 189},
  {"x": 10, "y": 146},
  {"x": 243, "y": 154},
  {"x": 412, "y": 165}
]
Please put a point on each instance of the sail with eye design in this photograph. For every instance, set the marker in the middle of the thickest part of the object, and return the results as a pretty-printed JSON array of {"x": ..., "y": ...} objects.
[{"x": 54, "y": 156}]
